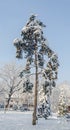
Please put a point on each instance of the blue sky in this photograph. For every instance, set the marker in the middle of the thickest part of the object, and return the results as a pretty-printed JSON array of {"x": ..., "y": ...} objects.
[{"x": 54, "y": 13}]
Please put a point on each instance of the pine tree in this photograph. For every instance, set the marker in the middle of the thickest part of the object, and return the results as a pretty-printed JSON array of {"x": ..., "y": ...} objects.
[
  {"x": 34, "y": 45},
  {"x": 62, "y": 103}
]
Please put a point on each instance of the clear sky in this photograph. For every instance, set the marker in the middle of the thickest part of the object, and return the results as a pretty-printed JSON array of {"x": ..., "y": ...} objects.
[{"x": 54, "y": 13}]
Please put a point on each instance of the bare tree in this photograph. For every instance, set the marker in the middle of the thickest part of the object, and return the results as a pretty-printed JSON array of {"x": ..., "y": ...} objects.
[{"x": 9, "y": 74}]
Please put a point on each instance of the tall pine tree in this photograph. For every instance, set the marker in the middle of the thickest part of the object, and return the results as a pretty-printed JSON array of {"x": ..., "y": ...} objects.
[{"x": 34, "y": 45}]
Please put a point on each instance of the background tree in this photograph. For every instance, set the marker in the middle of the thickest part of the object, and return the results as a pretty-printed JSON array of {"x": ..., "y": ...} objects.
[
  {"x": 9, "y": 75},
  {"x": 2, "y": 95},
  {"x": 62, "y": 103},
  {"x": 34, "y": 45}
]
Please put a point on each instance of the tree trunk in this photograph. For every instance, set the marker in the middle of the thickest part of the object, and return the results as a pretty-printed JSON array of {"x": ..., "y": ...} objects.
[
  {"x": 36, "y": 87},
  {"x": 8, "y": 101}
]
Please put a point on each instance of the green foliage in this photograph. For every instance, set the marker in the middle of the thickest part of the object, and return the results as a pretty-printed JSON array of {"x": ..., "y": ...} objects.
[
  {"x": 32, "y": 39},
  {"x": 27, "y": 86}
]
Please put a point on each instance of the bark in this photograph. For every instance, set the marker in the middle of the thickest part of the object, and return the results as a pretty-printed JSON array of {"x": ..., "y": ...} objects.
[{"x": 36, "y": 87}]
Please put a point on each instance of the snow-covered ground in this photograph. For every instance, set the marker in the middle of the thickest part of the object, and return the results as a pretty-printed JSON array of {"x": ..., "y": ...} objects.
[{"x": 23, "y": 121}]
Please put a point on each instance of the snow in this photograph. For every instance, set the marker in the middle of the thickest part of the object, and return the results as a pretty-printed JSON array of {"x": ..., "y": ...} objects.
[{"x": 23, "y": 121}]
